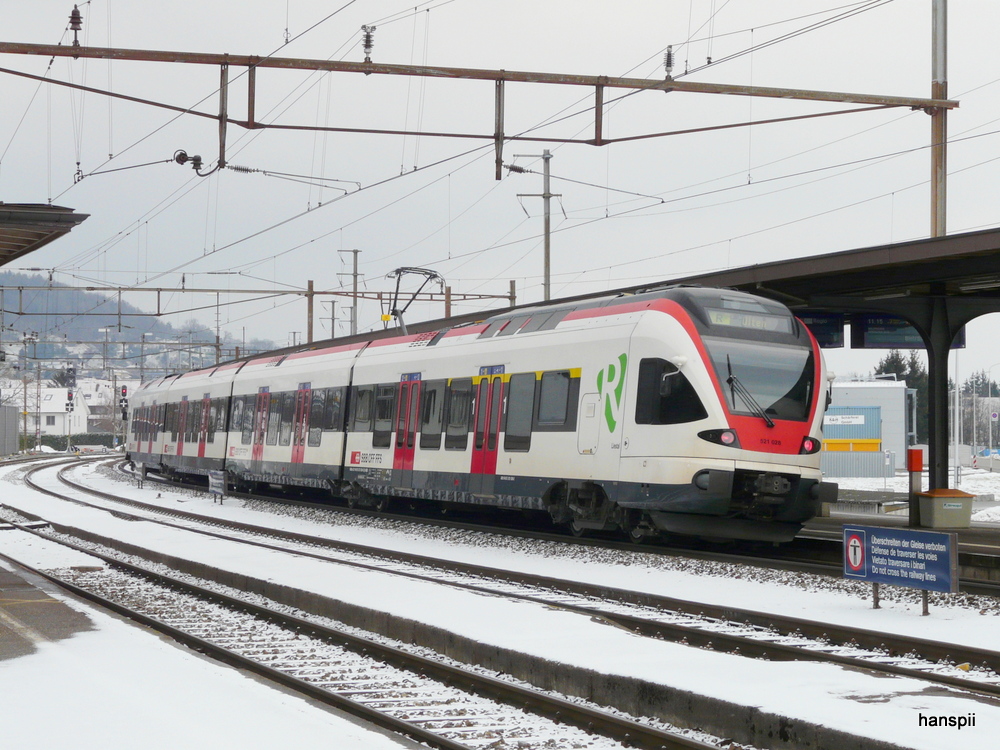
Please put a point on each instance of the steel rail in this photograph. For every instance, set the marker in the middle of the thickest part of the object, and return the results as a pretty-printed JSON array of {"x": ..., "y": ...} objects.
[
  {"x": 629, "y": 732},
  {"x": 893, "y": 645}
]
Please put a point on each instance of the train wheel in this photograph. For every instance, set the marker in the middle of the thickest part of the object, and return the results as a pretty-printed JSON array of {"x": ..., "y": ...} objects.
[
  {"x": 636, "y": 535},
  {"x": 352, "y": 502},
  {"x": 635, "y": 529},
  {"x": 382, "y": 503},
  {"x": 577, "y": 530}
]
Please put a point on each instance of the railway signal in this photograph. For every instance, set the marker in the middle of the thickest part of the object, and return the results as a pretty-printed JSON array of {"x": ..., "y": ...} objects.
[{"x": 69, "y": 400}]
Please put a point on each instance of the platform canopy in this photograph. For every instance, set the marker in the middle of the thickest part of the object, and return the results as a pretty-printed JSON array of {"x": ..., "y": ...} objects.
[{"x": 25, "y": 227}]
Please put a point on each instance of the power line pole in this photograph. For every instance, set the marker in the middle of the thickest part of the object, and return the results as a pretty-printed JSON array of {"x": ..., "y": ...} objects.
[
  {"x": 354, "y": 290},
  {"x": 333, "y": 317},
  {"x": 309, "y": 311},
  {"x": 939, "y": 119},
  {"x": 546, "y": 195}
]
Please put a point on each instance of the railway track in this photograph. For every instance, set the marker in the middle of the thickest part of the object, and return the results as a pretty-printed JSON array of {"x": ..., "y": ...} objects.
[
  {"x": 746, "y": 632},
  {"x": 434, "y": 702},
  {"x": 816, "y": 551}
]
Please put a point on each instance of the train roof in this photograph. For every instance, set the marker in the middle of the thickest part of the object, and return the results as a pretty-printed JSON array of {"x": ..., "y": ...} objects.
[{"x": 538, "y": 317}]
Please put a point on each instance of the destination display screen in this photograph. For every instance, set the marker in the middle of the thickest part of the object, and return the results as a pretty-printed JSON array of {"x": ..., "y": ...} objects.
[{"x": 744, "y": 319}]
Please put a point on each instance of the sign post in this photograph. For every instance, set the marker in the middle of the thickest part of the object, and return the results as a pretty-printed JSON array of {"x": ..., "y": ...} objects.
[
  {"x": 217, "y": 484},
  {"x": 926, "y": 560}
]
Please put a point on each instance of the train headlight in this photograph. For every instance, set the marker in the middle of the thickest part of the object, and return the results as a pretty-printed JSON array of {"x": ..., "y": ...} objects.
[
  {"x": 722, "y": 437},
  {"x": 810, "y": 445}
]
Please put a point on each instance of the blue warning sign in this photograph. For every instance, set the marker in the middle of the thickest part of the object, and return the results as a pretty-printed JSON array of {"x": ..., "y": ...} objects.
[{"x": 902, "y": 557}]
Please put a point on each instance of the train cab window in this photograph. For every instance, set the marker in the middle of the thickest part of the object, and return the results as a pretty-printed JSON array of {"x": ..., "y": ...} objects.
[
  {"x": 665, "y": 396},
  {"x": 432, "y": 414},
  {"x": 361, "y": 408},
  {"x": 316, "y": 416},
  {"x": 287, "y": 415},
  {"x": 553, "y": 403},
  {"x": 520, "y": 406},
  {"x": 385, "y": 402},
  {"x": 333, "y": 411},
  {"x": 459, "y": 415},
  {"x": 273, "y": 419}
]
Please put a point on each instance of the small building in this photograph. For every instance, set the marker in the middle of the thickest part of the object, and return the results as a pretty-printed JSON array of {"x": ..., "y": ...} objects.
[{"x": 851, "y": 423}]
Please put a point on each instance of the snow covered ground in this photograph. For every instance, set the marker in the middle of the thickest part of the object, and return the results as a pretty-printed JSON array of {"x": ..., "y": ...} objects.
[
  {"x": 121, "y": 687},
  {"x": 876, "y": 707},
  {"x": 976, "y": 481}
]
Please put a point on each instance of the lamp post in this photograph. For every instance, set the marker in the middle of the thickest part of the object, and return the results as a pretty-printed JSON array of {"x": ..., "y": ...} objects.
[{"x": 989, "y": 390}]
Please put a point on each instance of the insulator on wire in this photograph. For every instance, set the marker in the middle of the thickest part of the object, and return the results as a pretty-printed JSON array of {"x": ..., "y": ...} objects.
[
  {"x": 368, "y": 42},
  {"x": 76, "y": 24},
  {"x": 668, "y": 60}
]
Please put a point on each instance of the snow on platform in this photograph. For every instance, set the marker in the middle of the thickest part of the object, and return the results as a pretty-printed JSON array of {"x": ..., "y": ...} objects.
[{"x": 887, "y": 710}]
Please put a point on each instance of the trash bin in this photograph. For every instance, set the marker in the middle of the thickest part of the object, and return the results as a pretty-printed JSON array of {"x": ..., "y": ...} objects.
[{"x": 945, "y": 509}]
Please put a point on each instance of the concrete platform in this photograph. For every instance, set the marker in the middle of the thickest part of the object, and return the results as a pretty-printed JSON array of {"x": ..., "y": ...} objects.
[{"x": 29, "y": 616}]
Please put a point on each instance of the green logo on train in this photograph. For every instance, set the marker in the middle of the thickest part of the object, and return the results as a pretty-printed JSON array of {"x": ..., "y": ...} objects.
[{"x": 610, "y": 385}]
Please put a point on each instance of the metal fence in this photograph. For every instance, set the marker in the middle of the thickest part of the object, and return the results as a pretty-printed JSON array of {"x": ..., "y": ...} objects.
[
  {"x": 8, "y": 430},
  {"x": 875, "y": 464}
]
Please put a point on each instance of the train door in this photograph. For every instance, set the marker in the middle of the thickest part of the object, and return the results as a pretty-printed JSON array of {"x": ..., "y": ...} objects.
[
  {"x": 182, "y": 425},
  {"x": 589, "y": 430},
  {"x": 206, "y": 411},
  {"x": 489, "y": 408},
  {"x": 261, "y": 407},
  {"x": 300, "y": 423},
  {"x": 407, "y": 409}
]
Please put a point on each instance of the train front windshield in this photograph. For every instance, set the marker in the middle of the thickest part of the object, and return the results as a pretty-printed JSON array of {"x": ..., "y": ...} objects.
[{"x": 777, "y": 378}]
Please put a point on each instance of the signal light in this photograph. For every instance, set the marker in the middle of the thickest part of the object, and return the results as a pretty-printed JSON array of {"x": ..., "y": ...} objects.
[
  {"x": 124, "y": 391},
  {"x": 810, "y": 445},
  {"x": 727, "y": 438}
]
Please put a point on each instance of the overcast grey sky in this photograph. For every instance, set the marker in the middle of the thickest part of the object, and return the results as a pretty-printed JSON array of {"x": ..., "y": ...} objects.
[{"x": 644, "y": 210}]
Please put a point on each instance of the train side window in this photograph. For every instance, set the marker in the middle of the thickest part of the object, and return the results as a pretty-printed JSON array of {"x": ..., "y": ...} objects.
[
  {"x": 235, "y": 414},
  {"x": 361, "y": 408},
  {"x": 316, "y": 416},
  {"x": 249, "y": 411},
  {"x": 432, "y": 415},
  {"x": 172, "y": 420},
  {"x": 287, "y": 415},
  {"x": 193, "y": 421},
  {"x": 520, "y": 405},
  {"x": 459, "y": 415},
  {"x": 213, "y": 409},
  {"x": 665, "y": 396},
  {"x": 221, "y": 414},
  {"x": 333, "y": 411},
  {"x": 385, "y": 402},
  {"x": 272, "y": 419},
  {"x": 553, "y": 403}
]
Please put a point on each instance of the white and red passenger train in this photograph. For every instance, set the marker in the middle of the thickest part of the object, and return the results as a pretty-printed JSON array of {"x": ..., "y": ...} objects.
[{"x": 687, "y": 410}]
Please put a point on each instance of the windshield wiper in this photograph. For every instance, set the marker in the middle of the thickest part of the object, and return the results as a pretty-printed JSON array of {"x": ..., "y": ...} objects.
[{"x": 741, "y": 390}]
